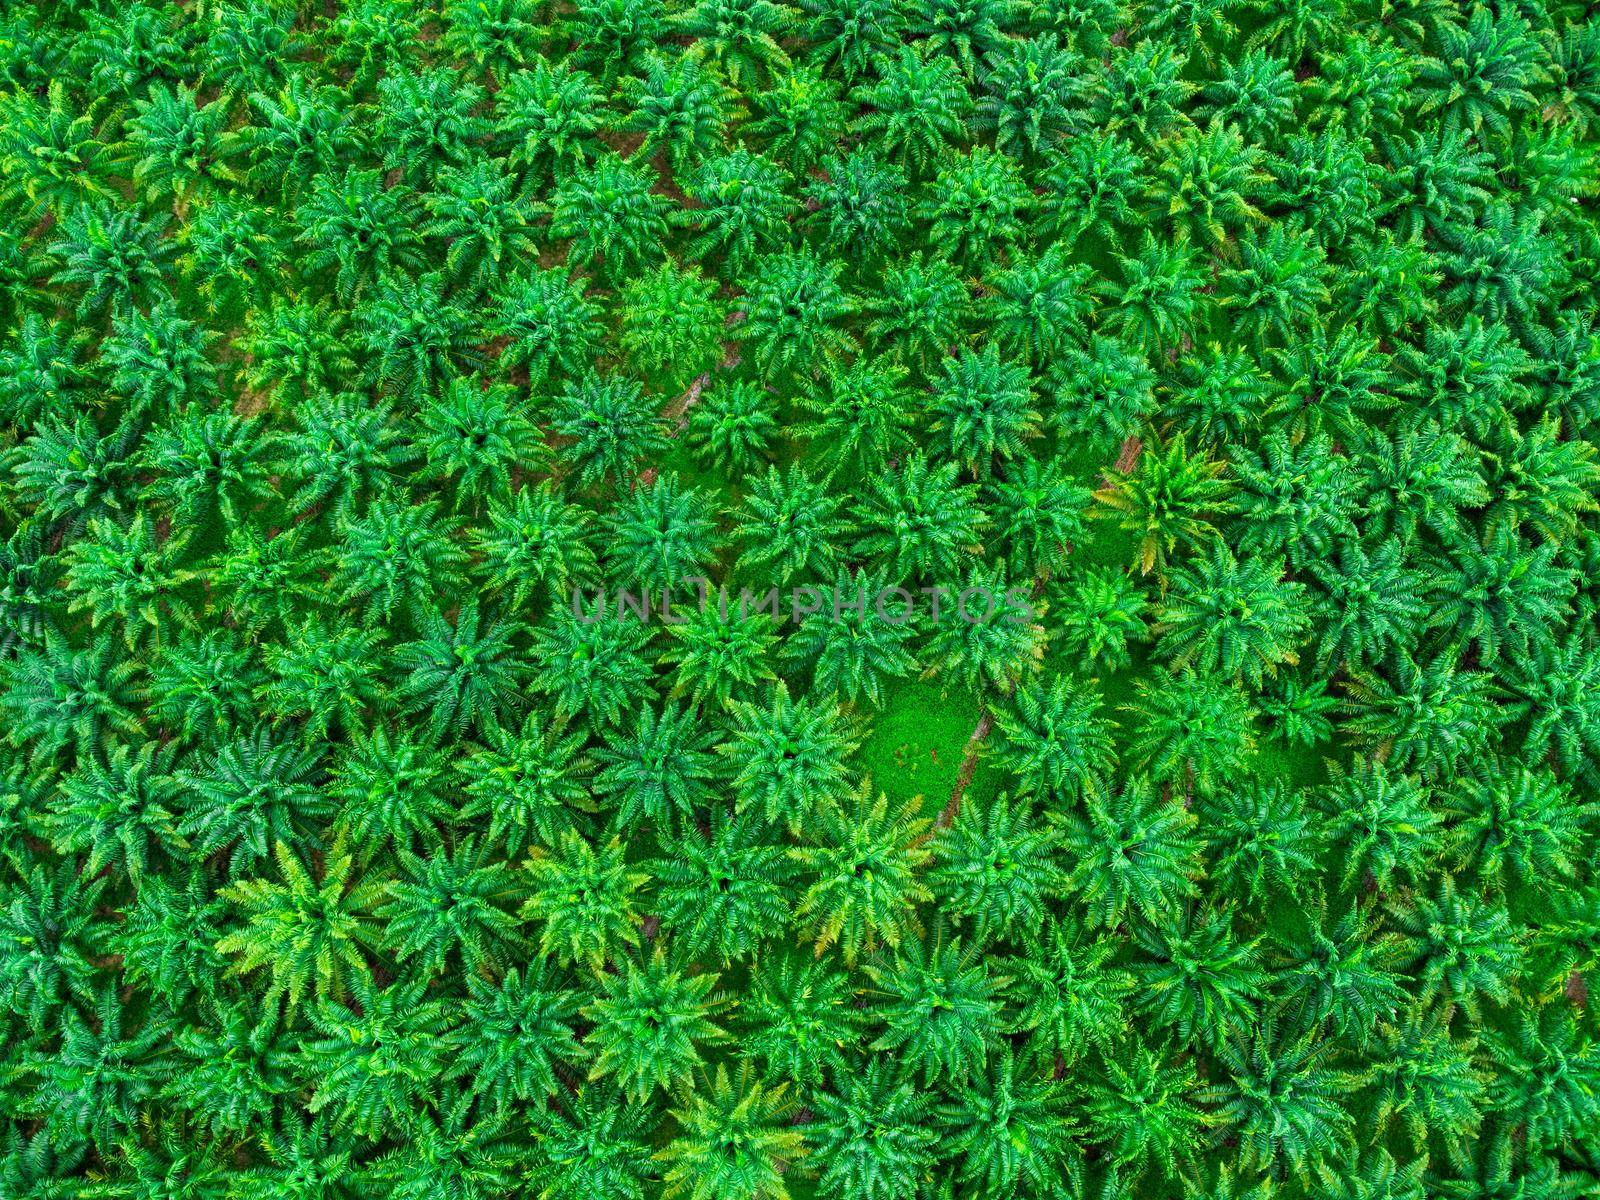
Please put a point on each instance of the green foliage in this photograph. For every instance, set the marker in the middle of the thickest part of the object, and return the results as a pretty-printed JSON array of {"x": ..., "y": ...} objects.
[{"x": 892, "y": 599}]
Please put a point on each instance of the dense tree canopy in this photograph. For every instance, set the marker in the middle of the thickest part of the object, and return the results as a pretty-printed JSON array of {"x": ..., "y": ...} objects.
[{"x": 744, "y": 599}]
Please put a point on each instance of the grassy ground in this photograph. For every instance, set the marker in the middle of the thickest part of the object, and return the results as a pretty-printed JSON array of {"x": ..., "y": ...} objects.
[{"x": 917, "y": 744}]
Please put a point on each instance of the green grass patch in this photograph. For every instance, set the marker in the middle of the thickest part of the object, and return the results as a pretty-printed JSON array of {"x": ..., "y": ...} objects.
[{"x": 917, "y": 744}]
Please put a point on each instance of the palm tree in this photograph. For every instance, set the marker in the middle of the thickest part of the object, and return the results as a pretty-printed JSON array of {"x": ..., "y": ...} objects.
[
  {"x": 870, "y": 1139},
  {"x": 650, "y": 1023},
  {"x": 390, "y": 788},
  {"x": 1502, "y": 595},
  {"x": 725, "y": 890},
  {"x": 1168, "y": 501},
  {"x": 733, "y": 427},
  {"x": 610, "y": 215},
  {"x": 613, "y": 427},
  {"x": 549, "y": 114},
  {"x": 1239, "y": 619},
  {"x": 853, "y": 650},
  {"x": 744, "y": 208},
  {"x": 395, "y": 560},
  {"x": 793, "y": 311},
  {"x": 591, "y": 1146},
  {"x": 552, "y": 329},
  {"x": 660, "y": 768},
  {"x": 1140, "y": 1110},
  {"x": 720, "y": 655},
  {"x": 860, "y": 204},
  {"x": 356, "y": 224},
  {"x": 180, "y": 146},
  {"x": 531, "y": 784},
  {"x": 1483, "y": 72},
  {"x": 249, "y": 795},
  {"x": 914, "y": 108},
  {"x": 789, "y": 758},
  {"x": 1131, "y": 852},
  {"x": 919, "y": 523},
  {"x": 1098, "y": 613},
  {"x": 789, "y": 528},
  {"x": 475, "y": 438},
  {"x": 428, "y": 118},
  {"x": 1159, "y": 300},
  {"x": 740, "y": 37},
  {"x": 311, "y": 931},
  {"x": 582, "y": 897},
  {"x": 377, "y": 1052},
  {"x": 593, "y": 666},
  {"x": 1383, "y": 820},
  {"x": 978, "y": 208},
  {"x": 464, "y": 675},
  {"x": 417, "y": 333},
  {"x": 671, "y": 326},
  {"x": 801, "y": 116},
  {"x": 515, "y": 1037},
  {"x": 989, "y": 639},
  {"x": 735, "y": 1142},
  {"x": 1279, "y": 1098},
  {"x": 118, "y": 811},
  {"x": 1263, "y": 840},
  {"x": 679, "y": 107},
  {"x": 1029, "y": 88},
  {"x": 1461, "y": 948},
  {"x": 864, "y": 858},
  {"x": 1427, "y": 716},
  {"x": 660, "y": 536},
  {"x": 941, "y": 1007},
  {"x": 1009, "y": 1132},
  {"x": 996, "y": 868},
  {"x": 800, "y": 1018},
  {"x": 862, "y": 418},
  {"x": 983, "y": 410},
  {"x": 1191, "y": 729},
  {"x": 451, "y": 907},
  {"x": 486, "y": 219}
]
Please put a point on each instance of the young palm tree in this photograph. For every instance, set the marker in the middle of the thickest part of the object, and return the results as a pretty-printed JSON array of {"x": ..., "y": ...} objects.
[
  {"x": 982, "y": 410},
  {"x": 736, "y": 1141},
  {"x": 919, "y": 522},
  {"x": 996, "y": 869},
  {"x": 311, "y": 931},
  {"x": 792, "y": 314},
  {"x": 1010, "y": 1132},
  {"x": 649, "y": 1025},
  {"x": 726, "y": 890},
  {"x": 1237, "y": 619},
  {"x": 720, "y": 656},
  {"x": 744, "y": 210},
  {"x": 1053, "y": 738},
  {"x": 1279, "y": 1098},
  {"x": 661, "y": 768},
  {"x": 1167, "y": 501},
  {"x": 612, "y": 218},
  {"x": 549, "y": 114},
  {"x": 941, "y": 1007},
  {"x": 679, "y": 107},
  {"x": 582, "y": 898},
  {"x": 870, "y": 1139},
  {"x": 851, "y": 650},
  {"x": 864, "y": 859},
  {"x": 661, "y": 536},
  {"x": 1191, "y": 729},
  {"x": 789, "y": 757},
  {"x": 1131, "y": 852}
]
